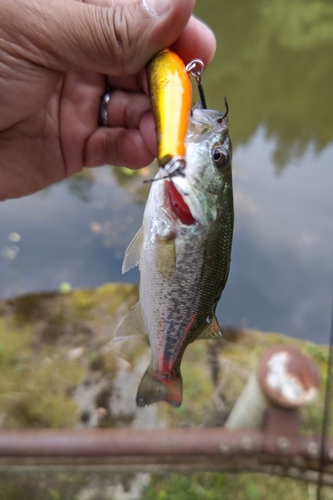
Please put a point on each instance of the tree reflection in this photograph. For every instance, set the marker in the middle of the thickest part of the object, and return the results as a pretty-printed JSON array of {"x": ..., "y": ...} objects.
[
  {"x": 135, "y": 181},
  {"x": 81, "y": 185},
  {"x": 274, "y": 64}
]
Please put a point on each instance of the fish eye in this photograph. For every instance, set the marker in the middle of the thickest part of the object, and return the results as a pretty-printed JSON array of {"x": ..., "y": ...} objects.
[{"x": 221, "y": 157}]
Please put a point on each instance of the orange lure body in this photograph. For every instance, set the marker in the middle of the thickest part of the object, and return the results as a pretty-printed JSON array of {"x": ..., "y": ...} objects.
[{"x": 170, "y": 92}]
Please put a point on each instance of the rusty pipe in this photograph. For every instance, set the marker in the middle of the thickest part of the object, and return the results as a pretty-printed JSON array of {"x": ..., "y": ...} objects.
[
  {"x": 217, "y": 443},
  {"x": 120, "y": 442}
]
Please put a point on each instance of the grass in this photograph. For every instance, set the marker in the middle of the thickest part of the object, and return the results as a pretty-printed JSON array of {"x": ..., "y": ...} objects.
[
  {"x": 35, "y": 384},
  {"x": 216, "y": 486}
]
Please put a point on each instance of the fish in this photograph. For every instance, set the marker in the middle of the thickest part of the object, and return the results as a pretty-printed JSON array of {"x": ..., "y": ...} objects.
[
  {"x": 170, "y": 92},
  {"x": 183, "y": 251}
]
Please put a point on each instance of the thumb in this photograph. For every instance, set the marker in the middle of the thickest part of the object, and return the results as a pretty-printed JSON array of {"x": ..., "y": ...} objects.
[{"x": 69, "y": 35}]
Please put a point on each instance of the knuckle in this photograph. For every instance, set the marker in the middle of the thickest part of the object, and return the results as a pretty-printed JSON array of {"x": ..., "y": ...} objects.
[{"x": 119, "y": 40}]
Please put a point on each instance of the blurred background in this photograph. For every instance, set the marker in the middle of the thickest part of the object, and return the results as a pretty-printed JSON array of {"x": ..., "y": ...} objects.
[{"x": 274, "y": 64}]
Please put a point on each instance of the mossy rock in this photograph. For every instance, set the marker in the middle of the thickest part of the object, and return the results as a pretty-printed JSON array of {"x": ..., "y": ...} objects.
[{"x": 48, "y": 343}]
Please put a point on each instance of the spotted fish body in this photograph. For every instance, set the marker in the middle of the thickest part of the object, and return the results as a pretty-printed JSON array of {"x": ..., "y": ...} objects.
[{"x": 183, "y": 251}]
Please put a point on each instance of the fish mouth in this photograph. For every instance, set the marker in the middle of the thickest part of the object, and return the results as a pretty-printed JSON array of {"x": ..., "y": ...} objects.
[{"x": 178, "y": 206}]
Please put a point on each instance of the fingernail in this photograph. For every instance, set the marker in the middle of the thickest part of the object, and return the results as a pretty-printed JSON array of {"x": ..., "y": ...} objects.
[{"x": 157, "y": 7}]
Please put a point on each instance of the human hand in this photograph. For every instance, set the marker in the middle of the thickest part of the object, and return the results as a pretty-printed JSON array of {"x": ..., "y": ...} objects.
[{"x": 57, "y": 57}]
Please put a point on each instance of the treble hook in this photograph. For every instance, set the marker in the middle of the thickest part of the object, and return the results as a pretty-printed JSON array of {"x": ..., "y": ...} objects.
[
  {"x": 226, "y": 110},
  {"x": 175, "y": 173},
  {"x": 196, "y": 68},
  {"x": 174, "y": 168}
]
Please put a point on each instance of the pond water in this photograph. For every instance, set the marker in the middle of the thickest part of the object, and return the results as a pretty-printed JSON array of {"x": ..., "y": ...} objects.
[{"x": 274, "y": 64}]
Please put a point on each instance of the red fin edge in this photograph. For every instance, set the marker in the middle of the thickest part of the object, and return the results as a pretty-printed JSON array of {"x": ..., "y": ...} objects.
[{"x": 155, "y": 387}]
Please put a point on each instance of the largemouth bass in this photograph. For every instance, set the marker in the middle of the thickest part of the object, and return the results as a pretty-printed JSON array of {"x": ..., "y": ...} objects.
[{"x": 183, "y": 252}]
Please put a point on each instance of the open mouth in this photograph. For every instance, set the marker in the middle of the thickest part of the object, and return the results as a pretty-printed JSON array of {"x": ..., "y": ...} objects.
[{"x": 178, "y": 205}]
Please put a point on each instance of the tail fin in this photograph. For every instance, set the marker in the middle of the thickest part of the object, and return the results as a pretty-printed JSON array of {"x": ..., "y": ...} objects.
[{"x": 155, "y": 387}]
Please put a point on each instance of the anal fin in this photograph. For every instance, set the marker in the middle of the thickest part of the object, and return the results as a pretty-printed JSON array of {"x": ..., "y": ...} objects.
[{"x": 132, "y": 325}]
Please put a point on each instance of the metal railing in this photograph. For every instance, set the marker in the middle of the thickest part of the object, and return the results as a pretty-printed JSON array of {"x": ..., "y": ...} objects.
[{"x": 277, "y": 448}]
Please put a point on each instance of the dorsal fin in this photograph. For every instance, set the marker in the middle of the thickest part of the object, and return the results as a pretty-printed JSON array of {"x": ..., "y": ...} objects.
[{"x": 212, "y": 330}]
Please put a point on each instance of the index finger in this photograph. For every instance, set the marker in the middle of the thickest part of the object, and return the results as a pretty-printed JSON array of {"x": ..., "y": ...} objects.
[{"x": 196, "y": 42}]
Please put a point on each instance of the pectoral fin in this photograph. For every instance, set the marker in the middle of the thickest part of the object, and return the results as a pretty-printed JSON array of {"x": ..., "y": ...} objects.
[
  {"x": 212, "y": 330},
  {"x": 132, "y": 325},
  {"x": 132, "y": 254}
]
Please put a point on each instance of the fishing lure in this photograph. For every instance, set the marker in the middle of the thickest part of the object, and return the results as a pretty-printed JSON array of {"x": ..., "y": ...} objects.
[{"x": 170, "y": 92}]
